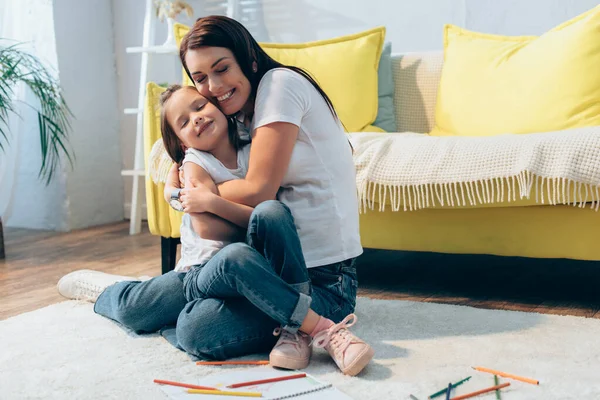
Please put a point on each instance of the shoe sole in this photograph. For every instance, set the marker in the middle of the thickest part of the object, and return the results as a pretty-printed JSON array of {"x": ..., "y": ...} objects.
[
  {"x": 360, "y": 362},
  {"x": 287, "y": 362}
]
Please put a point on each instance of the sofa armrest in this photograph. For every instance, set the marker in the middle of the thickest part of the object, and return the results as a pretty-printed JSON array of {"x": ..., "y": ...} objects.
[{"x": 162, "y": 219}]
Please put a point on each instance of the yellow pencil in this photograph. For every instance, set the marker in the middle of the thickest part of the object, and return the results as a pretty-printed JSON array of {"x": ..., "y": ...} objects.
[{"x": 225, "y": 393}]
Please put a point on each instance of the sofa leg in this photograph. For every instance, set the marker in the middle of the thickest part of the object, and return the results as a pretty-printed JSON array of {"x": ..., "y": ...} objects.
[{"x": 168, "y": 252}]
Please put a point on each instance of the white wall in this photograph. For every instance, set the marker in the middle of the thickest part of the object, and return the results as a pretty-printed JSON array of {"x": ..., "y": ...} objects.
[
  {"x": 411, "y": 26},
  {"x": 414, "y": 25},
  {"x": 86, "y": 65},
  {"x": 76, "y": 39}
]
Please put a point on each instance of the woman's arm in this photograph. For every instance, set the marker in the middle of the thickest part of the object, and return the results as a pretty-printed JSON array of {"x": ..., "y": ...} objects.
[
  {"x": 206, "y": 225},
  {"x": 207, "y": 199},
  {"x": 270, "y": 156},
  {"x": 282, "y": 100},
  {"x": 173, "y": 182}
]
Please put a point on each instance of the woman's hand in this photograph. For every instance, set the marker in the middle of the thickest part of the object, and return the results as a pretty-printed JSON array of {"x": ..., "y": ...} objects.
[
  {"x": 181, "y": 178},
  {"x": 197, "y": 199}
]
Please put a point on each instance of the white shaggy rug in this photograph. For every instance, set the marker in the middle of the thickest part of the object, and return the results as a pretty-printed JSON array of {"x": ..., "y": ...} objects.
[{"x": 65, "y": 351}]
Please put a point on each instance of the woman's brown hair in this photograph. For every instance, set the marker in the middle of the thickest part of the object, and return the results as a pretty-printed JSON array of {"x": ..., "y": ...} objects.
[
  {"x": 221, "y": 31},
  {"x": 173, "y": 145}
]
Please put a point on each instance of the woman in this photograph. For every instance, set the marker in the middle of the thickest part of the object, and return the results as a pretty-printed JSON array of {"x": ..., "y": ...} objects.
[{"x": 300, "y": 154}]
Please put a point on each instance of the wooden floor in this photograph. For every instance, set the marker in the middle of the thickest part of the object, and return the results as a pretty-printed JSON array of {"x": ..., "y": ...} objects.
[{"x": 35, "y": 261}]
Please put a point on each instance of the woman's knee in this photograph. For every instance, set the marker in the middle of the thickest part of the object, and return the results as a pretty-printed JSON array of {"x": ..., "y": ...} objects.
[
  {"x": 235, "y": 256},
  {"x": 270, "y": 211}
]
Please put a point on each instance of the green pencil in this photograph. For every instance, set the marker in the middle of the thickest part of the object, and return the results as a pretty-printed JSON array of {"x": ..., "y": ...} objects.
[
  {"x": 497, "y": 390},
  {"x": 441, "y": 392}
]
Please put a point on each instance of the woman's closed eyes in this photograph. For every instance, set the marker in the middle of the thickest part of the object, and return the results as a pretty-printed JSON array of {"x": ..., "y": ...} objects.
[{"x": 219, "y": 71}]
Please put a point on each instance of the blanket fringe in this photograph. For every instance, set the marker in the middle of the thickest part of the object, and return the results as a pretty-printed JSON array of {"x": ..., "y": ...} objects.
[{"x": 488, "y": 191}]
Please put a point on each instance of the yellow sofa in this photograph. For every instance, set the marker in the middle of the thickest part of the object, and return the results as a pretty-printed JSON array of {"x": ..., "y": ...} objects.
[{"x": 521, "y": 228}]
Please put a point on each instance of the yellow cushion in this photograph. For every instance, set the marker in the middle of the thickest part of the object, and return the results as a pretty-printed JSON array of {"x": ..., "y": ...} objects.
[
  {"x": 162, "y": 219},
  {"x": 494, "y": 84},
  {"x": 345, "y": 67}
]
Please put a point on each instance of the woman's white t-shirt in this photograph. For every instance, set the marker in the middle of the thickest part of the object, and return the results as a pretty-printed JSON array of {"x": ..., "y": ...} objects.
[{"x": 320, "y": 184}]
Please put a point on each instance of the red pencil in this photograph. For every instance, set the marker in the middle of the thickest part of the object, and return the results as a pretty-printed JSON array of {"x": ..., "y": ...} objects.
[
  {"x": 258, "y": 362},
  {"x": 477, "y": 393},
  {"x": 185, "y": 385},
  {"x": 280, "y": 378}
]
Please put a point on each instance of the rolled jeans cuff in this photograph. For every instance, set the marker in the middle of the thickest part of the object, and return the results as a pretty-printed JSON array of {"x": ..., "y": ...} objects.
[
  {"x": 304, "y": 287},
  {"x": 299, "y": 313}
]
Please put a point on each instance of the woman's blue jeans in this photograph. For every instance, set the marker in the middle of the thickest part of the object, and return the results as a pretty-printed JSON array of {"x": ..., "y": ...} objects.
[{"x": 229, "y": 306}]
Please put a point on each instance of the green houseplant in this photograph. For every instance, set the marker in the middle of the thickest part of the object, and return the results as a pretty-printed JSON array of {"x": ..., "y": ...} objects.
[{"x": 53, "y": 114}]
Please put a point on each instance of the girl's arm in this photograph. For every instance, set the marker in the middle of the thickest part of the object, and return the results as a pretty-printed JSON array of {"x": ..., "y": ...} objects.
[
  {"x": 208, "y": 200},
  {"x": 270, "y": 156},
  {"x": 206, "y": 225}
]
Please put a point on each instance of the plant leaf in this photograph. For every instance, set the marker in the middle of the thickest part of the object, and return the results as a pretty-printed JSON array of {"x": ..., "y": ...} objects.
[{"x": 53, "y": 113}]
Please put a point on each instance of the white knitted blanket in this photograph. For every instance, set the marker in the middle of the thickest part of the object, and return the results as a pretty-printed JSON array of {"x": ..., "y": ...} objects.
[{"x": 414, "y": 170}]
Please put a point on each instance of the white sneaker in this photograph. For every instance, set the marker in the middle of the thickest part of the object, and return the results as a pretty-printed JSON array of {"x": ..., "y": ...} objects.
[
  {"x": 292, "y": 350},
  {"x": 86, "y": 284}
]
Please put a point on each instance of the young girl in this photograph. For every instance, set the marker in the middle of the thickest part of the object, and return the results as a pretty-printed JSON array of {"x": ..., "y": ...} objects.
[{"x": 200, "y": 138}]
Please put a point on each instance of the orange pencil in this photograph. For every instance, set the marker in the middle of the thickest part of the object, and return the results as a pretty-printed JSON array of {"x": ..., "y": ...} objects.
[
  {"x": 257, "y": 362},
  {"x": 185, "y": 385},
  {"x": 504, "y": 374},
  {"x": 279, "y": 378},
  {"x": 477, "y": 393}
]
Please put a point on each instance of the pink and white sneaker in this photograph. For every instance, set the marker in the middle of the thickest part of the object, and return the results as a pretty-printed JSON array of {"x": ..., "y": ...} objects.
[
  {"x": 292, "y": 350},
  {"x": 350, "y": 353}
]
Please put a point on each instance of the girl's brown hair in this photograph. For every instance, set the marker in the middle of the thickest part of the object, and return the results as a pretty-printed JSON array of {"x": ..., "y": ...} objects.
[
  {"x": 221, "y": 31},
  {"x": 173, "y": 144}
]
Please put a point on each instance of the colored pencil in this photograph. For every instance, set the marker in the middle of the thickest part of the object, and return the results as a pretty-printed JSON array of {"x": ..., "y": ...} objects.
[
  {"x": 225, "y": 393},
  {"x": 259, "y": 382},
  {"x": 441, "y": 392},
  {"x": 449, "y": 391},
  {"x": 497, "y": 390},
  {"x": 257, "y": 362},
  {"x": 185, "y": 385},
  {"x": 505, "y": 375},
  {"x": 477, "y": 393},
  {"x": 413, "y": 397}
]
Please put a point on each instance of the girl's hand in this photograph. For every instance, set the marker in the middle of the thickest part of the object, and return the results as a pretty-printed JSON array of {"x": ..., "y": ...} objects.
[{"x": 197, "y": 199}]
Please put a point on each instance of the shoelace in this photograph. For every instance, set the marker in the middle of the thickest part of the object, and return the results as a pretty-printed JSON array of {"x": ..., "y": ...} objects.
[
  {"x": 286, "y": 337},
  {"x": 86, "y": 290},
  {"x": 338, "y": 336}
]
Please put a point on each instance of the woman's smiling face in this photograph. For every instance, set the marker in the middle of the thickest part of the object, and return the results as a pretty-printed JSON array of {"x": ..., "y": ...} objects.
[{"x": 217, "y": 74}]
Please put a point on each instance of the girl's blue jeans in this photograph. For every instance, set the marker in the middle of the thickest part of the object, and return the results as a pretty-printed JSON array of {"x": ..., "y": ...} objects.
[{"x": 230, "y": 306}]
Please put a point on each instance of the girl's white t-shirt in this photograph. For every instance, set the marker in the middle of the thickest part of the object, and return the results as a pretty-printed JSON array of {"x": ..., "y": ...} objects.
[
  {"x": 320, "y": 184},
  {"x": 196, "y": 250}
]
